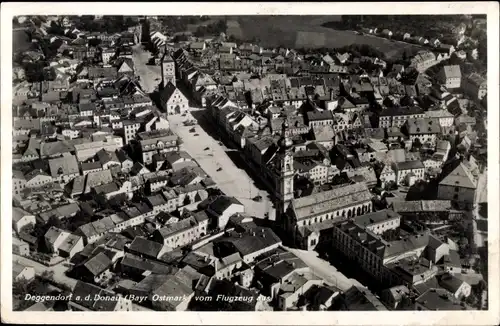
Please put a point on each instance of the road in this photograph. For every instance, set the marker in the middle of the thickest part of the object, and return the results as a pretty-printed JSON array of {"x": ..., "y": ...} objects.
[
  {"x": 147, "y": 73},
  {"x": 482, "y": 189},
  {"x": 481, "y": 197},
  {"x": 231, "y": 180},
  {"x": 481, "y": 193},
  {"x": 324, "y": 269},
  {"x": 59, "y": 270}
]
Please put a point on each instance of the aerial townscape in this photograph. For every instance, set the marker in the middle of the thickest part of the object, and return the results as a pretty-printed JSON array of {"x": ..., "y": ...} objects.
[{"x": 227, "y": 163}]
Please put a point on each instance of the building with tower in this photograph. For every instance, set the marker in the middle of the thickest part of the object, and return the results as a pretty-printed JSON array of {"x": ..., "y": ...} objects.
[
  {"x": 284, "y": 172},
  {"x": 167, "y": 70},
  {"x": 308, "y": 218}
]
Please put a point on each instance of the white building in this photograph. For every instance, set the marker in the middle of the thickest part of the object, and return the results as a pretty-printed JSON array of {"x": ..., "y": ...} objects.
[
  {"x": 444, "y": 117},
  {"x": 408, "y": 172}
]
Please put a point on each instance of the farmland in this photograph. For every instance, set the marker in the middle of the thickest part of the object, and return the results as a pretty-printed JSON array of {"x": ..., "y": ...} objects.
[{"x": 306, "y": 32}]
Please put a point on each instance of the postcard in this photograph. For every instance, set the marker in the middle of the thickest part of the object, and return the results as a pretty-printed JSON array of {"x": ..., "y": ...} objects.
[{"x": 250, "y": 163}]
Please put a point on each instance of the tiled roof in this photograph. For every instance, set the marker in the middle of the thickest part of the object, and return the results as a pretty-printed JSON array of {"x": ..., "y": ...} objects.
[
  {"x": 65, "y": 165},
  {"x": 460, "y": 177}
]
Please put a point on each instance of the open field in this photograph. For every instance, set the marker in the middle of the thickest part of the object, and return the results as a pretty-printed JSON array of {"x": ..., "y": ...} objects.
[
  {"x": 306, "y": 31},
  {"x": 20, "y": 41}
]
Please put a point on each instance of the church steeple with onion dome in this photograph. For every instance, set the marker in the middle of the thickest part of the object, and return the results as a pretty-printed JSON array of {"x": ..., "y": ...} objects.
[
  {"x": 286, "y": 171},
  {"x": 285, "y": 142}
]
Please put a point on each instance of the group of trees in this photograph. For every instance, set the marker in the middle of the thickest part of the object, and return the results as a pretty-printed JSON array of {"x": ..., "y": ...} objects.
[
  {"x": 109, "y": 24},
  {"x": 70, "y": 224},
  {"x": 428, "y": 26},
  {"x": 175, "y": 24},
  {"x": 38, "y": 71},
  {"x": 38, "y": 286},
  {"x": 55, "y": 29},
  {"x": 211, "y": 29},
  {"x": 359, "y": 50}
]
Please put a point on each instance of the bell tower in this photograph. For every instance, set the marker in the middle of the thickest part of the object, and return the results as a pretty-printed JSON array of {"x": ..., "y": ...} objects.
[
  {"x": 167, "y": 69},
  {"x": 284, "y": 189}
]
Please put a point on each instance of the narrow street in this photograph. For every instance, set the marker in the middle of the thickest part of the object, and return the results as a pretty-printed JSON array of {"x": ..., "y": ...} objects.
[
  {"x": 324, "y": 269},
  {"x": 59, "y": 270}
]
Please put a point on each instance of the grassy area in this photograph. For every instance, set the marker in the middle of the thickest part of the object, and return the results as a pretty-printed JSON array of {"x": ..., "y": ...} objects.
[
  {"x": 306, "y": 32},
  {"x": 20, "y": 41}
]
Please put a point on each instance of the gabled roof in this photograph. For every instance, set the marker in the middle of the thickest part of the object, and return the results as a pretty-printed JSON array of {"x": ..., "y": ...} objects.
[
  {"x": 141, "y": 246},
  {"x": 452, "y": 71},
  {"x": 460, "y": 177},
  {"x": 168, "y": 91},
  {"x": 125, "y": 61},
  {"x": 222, "y": 203},
  {"x": 98, "y": 264},
  {"x": 65, "y": 165}
]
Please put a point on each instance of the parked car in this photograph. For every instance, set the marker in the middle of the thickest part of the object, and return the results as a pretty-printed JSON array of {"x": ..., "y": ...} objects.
[
  {"x": 206, "y": 148},
  {"x": 195, "y": 135},
  {"x": 192, "y": 130},
  {"x": 257, "y": 198},
  {"x": 219, "y": 169}
]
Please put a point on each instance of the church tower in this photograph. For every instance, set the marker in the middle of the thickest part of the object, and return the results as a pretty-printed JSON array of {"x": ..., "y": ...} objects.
[
  {"x": 284, "y": 189},
  {"x": 167, "y": 69}
]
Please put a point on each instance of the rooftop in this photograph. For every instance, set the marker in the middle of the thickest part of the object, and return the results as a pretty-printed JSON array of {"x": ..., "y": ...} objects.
[
  {"x": 375, "y": 217},
  {"x": 440, "y": 299},
  {"x": 331, "y": 200}
]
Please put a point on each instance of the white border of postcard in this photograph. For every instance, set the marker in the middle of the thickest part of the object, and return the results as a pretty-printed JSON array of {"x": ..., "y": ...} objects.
[{"x": 490, "y": 317}]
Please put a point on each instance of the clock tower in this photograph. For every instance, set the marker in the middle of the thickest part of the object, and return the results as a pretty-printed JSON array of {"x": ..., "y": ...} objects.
[
  {"x": 167, "y": 69},
  {"x": 284, "y": 187}
]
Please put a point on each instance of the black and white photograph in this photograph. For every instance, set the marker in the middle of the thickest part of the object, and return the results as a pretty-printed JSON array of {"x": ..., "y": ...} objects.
[{"x": 255, "y": 163}]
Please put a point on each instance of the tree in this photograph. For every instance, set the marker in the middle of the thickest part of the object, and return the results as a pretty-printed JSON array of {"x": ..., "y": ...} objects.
[
  {"x": 47, "y": 276},
  {"x": 416, "y": 144},
  {"x": 94, "y": 42},
  {"x": 55, "y": 29},
  {"x": 35, "y": 71},
  {"x": 463, "y": 241}
]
